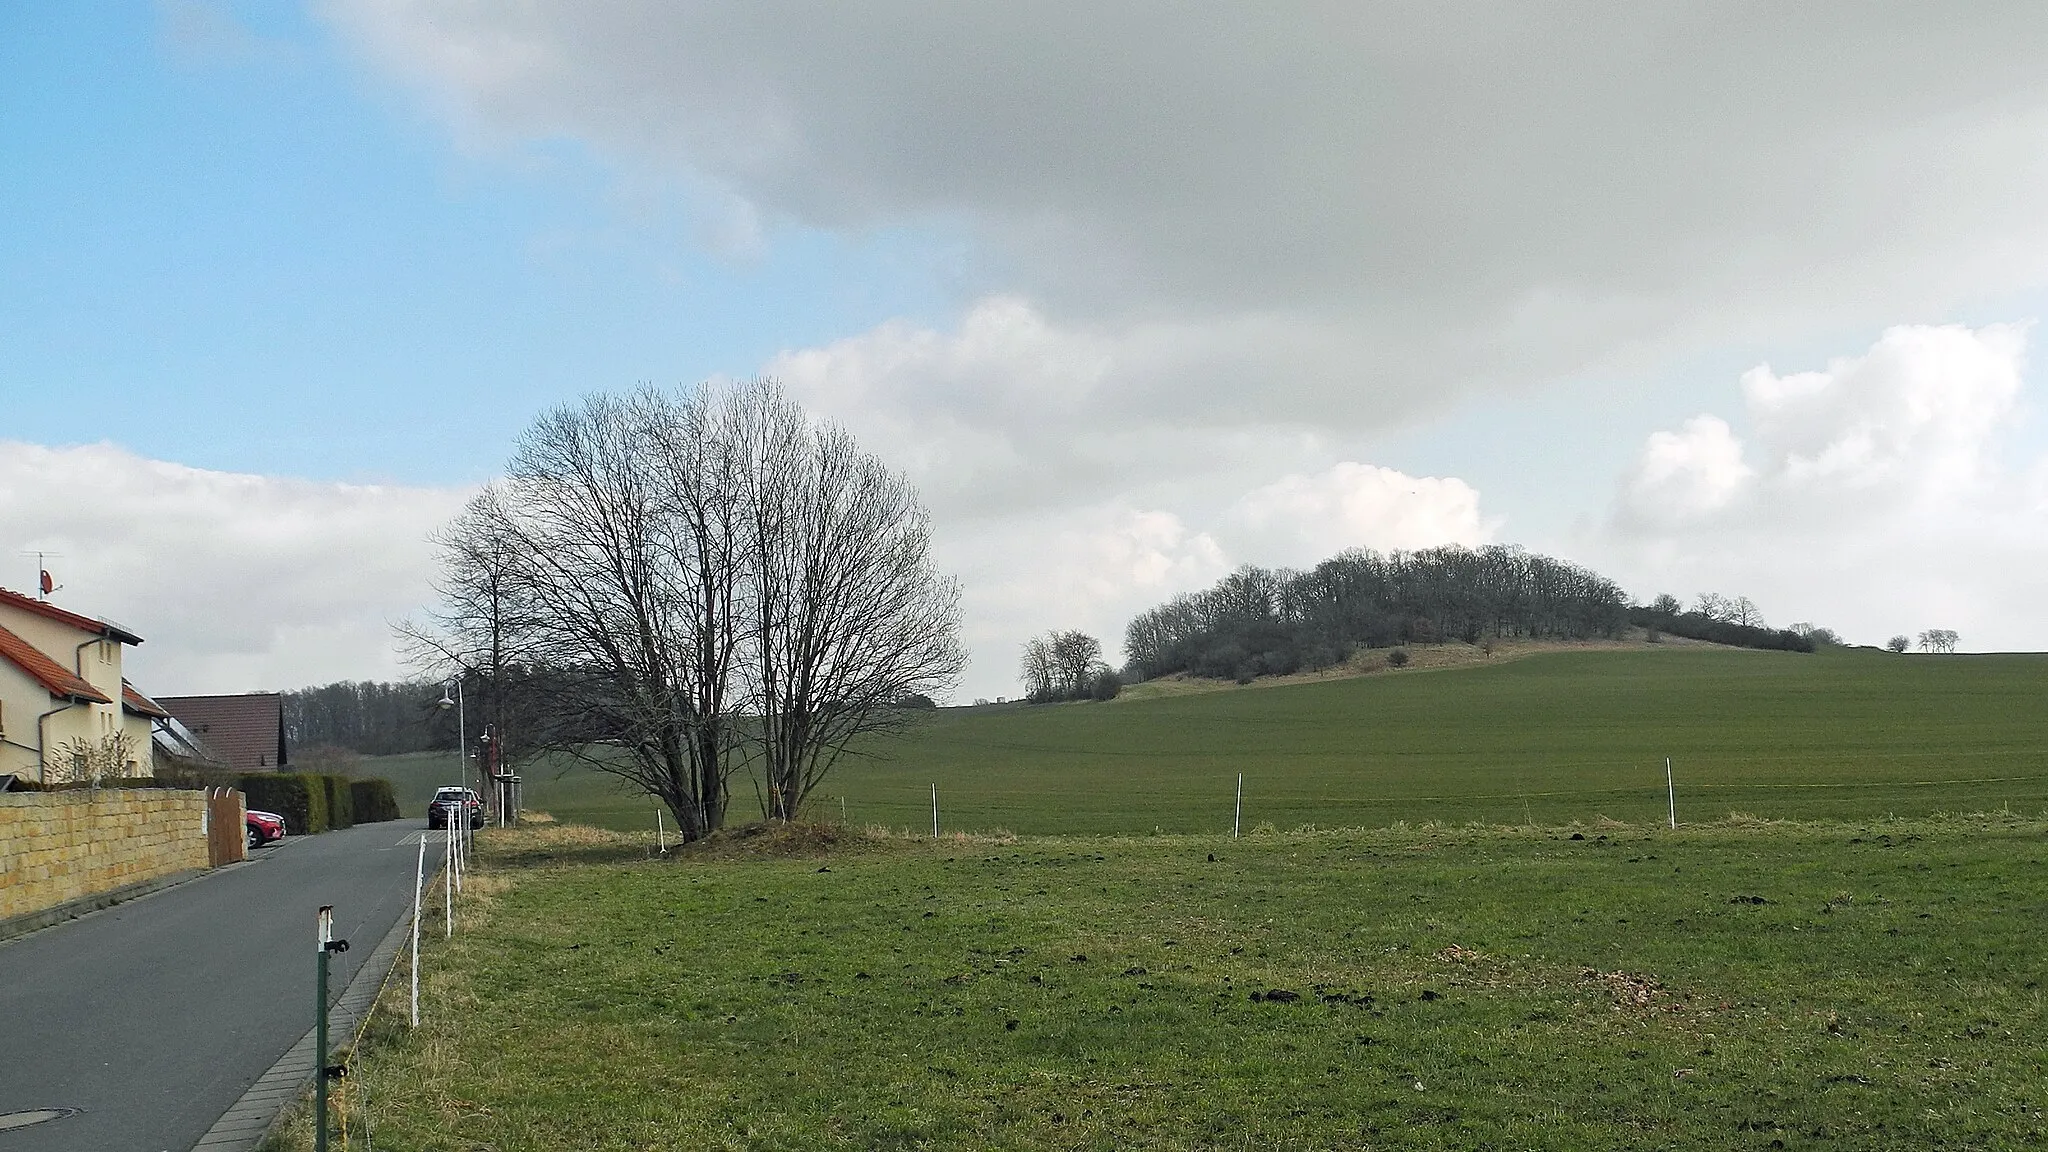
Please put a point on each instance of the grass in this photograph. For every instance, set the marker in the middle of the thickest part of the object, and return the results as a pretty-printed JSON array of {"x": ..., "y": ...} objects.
[
  {"x": 1738, "y": 985},
  {"x": 1547, "y": 738}
]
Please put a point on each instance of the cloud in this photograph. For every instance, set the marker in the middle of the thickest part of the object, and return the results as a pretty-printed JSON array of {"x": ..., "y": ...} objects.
[
  {"x": 237, "y": 582},
  {"x": 1011, "y": 410},
  {"x": 1872, "y": 495},
  {"x": 1302, "y": 519},
  {"x": 1395, "y": 205}
]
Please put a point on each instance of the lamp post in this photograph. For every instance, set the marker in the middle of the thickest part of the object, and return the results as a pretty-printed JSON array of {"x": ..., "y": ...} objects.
[{"x": 461, "y": 747}]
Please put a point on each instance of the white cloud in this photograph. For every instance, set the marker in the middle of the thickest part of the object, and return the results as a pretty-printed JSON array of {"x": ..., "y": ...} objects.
[
  {"x": 1871, "y": 495},
  {"x": 1302, "y": 519},
  {"x": 1686, "y": 474},
  {"x": 237, "y": 582}
]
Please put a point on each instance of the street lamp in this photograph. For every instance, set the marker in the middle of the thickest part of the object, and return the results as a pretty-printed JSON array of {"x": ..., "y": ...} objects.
[{"x": 461, "y": 746}]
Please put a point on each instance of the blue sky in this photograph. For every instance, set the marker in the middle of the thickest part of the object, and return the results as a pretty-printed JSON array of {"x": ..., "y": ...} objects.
[
  {"x": 1132, "y": 301},
  {"x": 254, "y": 259}
]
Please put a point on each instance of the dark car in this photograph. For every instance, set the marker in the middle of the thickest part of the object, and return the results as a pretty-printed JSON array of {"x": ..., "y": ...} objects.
[
  {"x": 264, "y": 827},
  {"x": 451, "y": 800}
]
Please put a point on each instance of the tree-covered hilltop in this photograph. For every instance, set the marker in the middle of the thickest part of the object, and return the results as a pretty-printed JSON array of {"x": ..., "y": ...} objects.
[{"x": 1259, "y": 621}]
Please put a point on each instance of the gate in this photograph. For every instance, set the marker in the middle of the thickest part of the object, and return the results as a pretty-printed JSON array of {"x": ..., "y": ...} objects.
[{"x": 226, "y": 838}]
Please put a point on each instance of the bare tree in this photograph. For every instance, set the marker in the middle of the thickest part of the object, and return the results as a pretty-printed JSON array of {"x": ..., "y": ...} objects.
[
  {"x": 1742, "y": 610},
  {"x": 1898, "y": 644},
  {"x": 588, "y": 569},
  {"x": 1077, "y": 656},
  {"x": 678, "y": 586},
  {"x": 1941, "y": 641},
  {"x": 1038, "y": 670},
  {"x": 1064, "y": 666},
  {"x": 1714, "y": 606},
  {"x": 470, "y": 637},
  {"x": 847, "y": 617}
]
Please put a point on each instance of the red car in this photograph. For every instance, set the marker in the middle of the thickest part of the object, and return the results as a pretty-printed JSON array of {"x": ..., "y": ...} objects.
[{"x": 264, "y": 828}]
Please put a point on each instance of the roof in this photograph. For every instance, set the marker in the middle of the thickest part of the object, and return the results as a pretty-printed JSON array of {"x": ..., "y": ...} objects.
[
  {"x": 178, "y": 742},
  {"x": 61, "y": 682},
  {"x": 82, "y": 623},
  {"x": 246, "y": 731},
  {"x": 139, "y": 704}
]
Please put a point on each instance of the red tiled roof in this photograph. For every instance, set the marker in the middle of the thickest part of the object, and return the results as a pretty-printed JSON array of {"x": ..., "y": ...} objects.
[
  {"x": 136, "y": 702},
  {"x": 247, "y": 731},
  {"x": 61, "y": 682},
  {"x": 82, "y": 623}
]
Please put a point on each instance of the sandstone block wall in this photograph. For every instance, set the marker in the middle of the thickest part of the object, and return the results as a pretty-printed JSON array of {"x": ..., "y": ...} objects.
[{"x": 59, "y": 846}]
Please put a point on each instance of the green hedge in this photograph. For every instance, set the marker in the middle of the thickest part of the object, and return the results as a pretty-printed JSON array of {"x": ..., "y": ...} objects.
[
  {"x": 341, "y": 802},
  {"x": 374, "y": 800},
  {"x": 313, "y": 802}
]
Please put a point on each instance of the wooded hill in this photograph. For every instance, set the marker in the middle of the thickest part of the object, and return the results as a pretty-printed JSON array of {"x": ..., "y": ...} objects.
[{"x": 1264, "y": 622}]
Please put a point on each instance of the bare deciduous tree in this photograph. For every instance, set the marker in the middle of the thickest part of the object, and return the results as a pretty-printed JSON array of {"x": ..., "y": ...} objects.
[
  {"x": 1038, "y": 671},
  {"x": 1898, "y": 643},
  {"x": 1063, "y": 666},
  {"x": 1939, "y": 641},
  {"x": 846, "y": 617},
  {"x": 682, "y": 584}
]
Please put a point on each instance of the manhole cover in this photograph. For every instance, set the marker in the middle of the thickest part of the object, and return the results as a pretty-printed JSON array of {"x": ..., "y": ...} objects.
[{"x": 12, "y": 1120}]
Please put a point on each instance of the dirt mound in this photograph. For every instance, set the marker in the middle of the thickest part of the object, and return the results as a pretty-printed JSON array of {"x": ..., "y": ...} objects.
[{"x": 774, "y": 839}]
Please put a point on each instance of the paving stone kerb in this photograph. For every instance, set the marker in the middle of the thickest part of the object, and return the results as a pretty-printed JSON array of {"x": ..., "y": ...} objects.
[
  {"x": 242, "y": 1127},
  {"x": 58, "y": 847}
]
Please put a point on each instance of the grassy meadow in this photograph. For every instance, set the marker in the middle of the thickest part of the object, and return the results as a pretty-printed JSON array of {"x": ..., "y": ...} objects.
[
  {"x": 1735, "y": 985},
  {"x": 1546, "y": 738}
]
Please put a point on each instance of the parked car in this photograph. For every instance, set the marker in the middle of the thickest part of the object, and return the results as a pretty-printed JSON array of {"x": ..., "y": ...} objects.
[
  {"x": 264, "y": 827},
  {"x": 451, "y": 800}
]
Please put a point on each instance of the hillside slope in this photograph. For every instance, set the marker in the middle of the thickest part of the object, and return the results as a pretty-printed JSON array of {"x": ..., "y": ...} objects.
[{"x": 1553, "y": 737}]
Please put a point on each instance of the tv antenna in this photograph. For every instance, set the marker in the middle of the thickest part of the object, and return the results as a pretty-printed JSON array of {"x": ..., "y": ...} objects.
[{"x": 44, "y": 583}]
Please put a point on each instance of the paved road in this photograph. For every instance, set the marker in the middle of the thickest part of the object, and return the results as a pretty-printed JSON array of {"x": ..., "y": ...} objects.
[{"x": 155, "y": 1015}]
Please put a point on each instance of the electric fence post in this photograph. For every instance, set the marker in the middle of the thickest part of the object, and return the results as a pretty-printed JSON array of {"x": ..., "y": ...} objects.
[{"x": 324, "y": 938}]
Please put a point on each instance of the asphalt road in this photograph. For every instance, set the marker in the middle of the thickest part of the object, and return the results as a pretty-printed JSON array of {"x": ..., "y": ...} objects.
[{"x": 155, "y": 1015}]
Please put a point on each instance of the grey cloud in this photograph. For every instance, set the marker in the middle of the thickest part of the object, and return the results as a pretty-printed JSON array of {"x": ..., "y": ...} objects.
[{"x": 1422, "y": 173}]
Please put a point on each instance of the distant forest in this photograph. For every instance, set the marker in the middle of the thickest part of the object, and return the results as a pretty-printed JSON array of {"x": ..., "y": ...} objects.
[
  {"x": 1265, "y": 622},
  {"x": 375, "y": 719}
]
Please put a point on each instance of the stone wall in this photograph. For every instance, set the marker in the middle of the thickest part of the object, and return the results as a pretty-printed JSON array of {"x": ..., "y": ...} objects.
[{"x": 60, "y": 846}]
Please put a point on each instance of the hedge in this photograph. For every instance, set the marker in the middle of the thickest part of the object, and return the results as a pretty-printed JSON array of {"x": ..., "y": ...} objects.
[
  {"x": 311, "y": 802},
  {"x": 374, "y": 800}
]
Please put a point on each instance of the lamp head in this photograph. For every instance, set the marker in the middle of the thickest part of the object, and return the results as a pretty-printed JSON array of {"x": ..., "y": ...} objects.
[{"x": 444, "y": 701}]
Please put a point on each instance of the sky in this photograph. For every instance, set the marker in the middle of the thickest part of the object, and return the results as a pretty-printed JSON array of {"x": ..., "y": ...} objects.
[{"x": 1736, "y": 298}]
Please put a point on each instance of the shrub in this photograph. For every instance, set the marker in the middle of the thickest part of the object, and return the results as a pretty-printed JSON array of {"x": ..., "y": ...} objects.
[
  {"x": 374, "y": 800},
  {"x": 291, "y": 796},
  {"x": 1398, "y": 658},
  {"x": 1106, "y": 686}
]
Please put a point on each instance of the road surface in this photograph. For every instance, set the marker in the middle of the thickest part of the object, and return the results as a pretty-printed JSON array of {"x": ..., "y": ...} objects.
[{"x": 154, "y": 1016}]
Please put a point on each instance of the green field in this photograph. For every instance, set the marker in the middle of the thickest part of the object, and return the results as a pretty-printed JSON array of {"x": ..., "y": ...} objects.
[
  {"x": 1733, "y": 986},
  {"x": 1546, "y": 739}
]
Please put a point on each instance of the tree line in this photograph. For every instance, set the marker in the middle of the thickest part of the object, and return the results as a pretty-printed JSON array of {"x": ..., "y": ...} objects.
[
  {"x": 1259, "y": 621},
  {"x": 370, "y": 717},
  {"x": 1731, "y": 620}
]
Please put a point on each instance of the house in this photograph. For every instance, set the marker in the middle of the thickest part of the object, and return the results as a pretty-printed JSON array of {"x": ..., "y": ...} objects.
[
  {"x": 65, "y": 710},
  {"x": 246, "y": 732}
]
